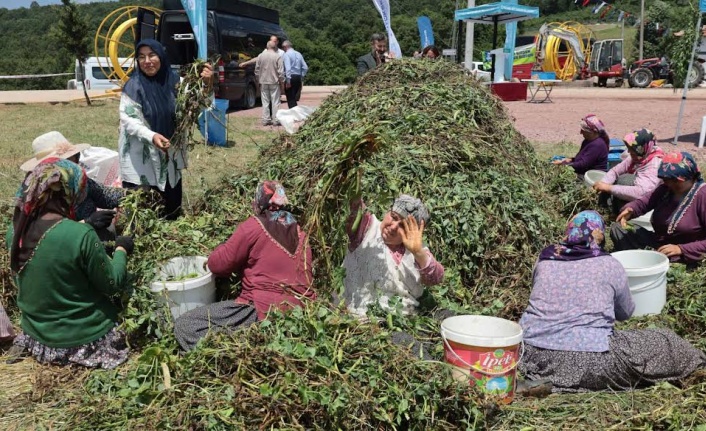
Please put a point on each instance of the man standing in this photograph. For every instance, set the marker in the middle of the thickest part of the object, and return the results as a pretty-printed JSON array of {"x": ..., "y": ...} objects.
[
  {"x": 269, "y": 71},
  {"x": 376, "y": 57},
  {"x": 274, "y": 39},
  {"x": 295, "y": 69}
]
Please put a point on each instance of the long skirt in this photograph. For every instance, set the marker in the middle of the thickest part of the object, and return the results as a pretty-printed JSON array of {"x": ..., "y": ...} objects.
[
  {"x": 107, "y": 352},
  {"x": 226, "y": 316},
  {"x": 637, "y": 358},
  {"x": 6, "y": 331}
]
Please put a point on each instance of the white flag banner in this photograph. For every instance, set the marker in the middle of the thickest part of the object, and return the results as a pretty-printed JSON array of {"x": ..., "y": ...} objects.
[{"x": 383, "y": 6}]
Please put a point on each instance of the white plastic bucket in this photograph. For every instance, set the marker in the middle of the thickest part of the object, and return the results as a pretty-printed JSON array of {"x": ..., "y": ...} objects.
[
  {"x": 484, "y": 351},
  {"x": 184, "y": 294},
  {"x": 647, "y": 277},
  {"x": 592, "y": 177}
]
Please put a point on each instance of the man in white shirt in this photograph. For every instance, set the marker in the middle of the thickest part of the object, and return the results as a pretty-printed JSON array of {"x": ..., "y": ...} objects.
[{"x": 295, "y": 69}]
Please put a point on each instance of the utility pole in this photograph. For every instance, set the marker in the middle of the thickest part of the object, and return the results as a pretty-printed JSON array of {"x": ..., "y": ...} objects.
[
  {"x": 642, "y": 25},
  {"x": 468, "y": 52}
]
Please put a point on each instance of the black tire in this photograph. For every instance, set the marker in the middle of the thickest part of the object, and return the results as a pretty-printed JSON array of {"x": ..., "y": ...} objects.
[
  {"x": 641, "y": 78},
  {"x": 602, "y": 82},
  {"x": 250, "y": 97},
  {"x": 697, "y": 74}
]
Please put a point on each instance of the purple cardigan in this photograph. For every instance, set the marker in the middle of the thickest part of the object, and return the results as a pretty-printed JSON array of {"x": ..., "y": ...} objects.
[
  {"x": 690, "y": 233},
  {"x": 592, "y": 155}
]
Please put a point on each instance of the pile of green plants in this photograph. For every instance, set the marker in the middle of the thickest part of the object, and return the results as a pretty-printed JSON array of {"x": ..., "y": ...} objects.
[{"x": 427, "y": 129}]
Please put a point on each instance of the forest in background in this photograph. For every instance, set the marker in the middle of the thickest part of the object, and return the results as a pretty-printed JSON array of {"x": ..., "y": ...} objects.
[{"x": 331, "y": 34}]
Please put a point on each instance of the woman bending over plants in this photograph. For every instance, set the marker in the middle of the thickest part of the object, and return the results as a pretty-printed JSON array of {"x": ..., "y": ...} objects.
[
  {"x": 271, "y": 254},
  {"x": 64, "y": 276},
  {"x": 578, "y": 292}
]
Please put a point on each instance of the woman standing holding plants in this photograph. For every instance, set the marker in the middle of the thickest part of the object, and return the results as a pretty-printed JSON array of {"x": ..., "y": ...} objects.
[
  {"x": 147, "y": 122},
  {"x": 271, "y": 254},
  {"x": 64, "y": 276}
]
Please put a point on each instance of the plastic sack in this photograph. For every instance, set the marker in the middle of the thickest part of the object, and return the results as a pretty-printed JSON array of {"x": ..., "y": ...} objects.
[
  {"x": 288, "y": 117},
  {"x": 102, "y": 165},
  {"x": 217, "y": 122}
]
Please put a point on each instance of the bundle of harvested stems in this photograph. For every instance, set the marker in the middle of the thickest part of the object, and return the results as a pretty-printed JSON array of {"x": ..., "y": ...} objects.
[{"x": 193, "y": 96}]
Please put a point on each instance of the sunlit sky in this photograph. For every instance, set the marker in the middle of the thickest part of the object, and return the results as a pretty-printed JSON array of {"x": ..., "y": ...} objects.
[{"x": 14, "y": 4}]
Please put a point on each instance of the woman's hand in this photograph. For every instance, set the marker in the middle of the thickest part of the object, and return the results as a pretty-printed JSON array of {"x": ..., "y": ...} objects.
[
  {"x": 624, "y": 216},
  {"x": 670, "y": 250},
  {"x": 412, "y": 234},
  {"x": 160, "y": 142},
  {"x": 207, "y": 72},
  {"x": 602, "y": 187}
]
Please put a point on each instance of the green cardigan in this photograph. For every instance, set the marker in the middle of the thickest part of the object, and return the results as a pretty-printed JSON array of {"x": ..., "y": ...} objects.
[{"x": 64, "y": 288}]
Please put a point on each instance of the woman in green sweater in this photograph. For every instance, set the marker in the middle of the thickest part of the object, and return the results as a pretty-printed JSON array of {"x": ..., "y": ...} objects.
[{"x": 64, "y": 275}]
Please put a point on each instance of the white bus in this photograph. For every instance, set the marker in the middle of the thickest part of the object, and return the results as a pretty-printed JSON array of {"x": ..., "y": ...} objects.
[{"x": 94, "y": 77}]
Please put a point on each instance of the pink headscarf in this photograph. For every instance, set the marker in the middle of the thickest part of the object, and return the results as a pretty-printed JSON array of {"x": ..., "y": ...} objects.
[{"x": 591, "y": 123}]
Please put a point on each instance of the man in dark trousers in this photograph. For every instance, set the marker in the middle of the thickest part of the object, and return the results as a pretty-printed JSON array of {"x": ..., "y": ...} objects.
[
  {"x": 376, "y": 57},
  {"x": 295, "y": 69}
]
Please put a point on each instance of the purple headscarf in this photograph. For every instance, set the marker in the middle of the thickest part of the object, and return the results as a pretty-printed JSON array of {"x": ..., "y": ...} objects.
[{"x": 584, "y": 239}]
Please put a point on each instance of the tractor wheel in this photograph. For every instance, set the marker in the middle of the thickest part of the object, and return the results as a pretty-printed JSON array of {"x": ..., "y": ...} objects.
[
  {"x": 697, "y": 74},
  {"x": 602, "y": 82},
  {"x": 640, "y": 78}
]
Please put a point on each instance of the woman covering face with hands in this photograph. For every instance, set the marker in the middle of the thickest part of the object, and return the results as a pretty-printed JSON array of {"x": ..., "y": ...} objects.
[{"x": 387, "y": 258}]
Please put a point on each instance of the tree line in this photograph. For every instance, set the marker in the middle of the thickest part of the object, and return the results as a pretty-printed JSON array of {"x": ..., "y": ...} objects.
[{"x": 331, "y": 34}]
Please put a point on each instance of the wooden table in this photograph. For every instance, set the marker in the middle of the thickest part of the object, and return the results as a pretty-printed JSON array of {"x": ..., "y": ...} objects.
[{"x": 540, "y": 87}]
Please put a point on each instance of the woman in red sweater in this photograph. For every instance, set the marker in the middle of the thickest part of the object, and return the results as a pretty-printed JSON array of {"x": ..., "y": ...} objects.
[{"x": 271, "y": 254}]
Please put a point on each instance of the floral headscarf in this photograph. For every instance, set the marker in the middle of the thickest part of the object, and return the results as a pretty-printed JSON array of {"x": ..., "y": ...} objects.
[
  {"x": 584, "y": 238},
  {"x": 644, "y": 144},
  {"x": 269, "y": 205},
  {"x": 54, "y": 185},
  {"x": 681, "y": 167}
]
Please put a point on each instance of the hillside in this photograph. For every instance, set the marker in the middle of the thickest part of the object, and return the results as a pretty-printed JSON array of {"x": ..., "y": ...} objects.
[{"x": 331, "y": 34}]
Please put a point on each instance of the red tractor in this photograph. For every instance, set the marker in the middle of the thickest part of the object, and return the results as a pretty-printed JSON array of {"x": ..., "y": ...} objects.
[{"x": 643, "y": 72}]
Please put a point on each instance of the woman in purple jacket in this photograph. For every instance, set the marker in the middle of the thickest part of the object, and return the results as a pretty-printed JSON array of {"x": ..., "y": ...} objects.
[
  {"x": 593, "y": 153},
  {"x": 679, "y": 217}
]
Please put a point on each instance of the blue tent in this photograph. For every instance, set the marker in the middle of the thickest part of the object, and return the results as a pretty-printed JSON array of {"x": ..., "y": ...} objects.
[{"x": 494, "y": 13}]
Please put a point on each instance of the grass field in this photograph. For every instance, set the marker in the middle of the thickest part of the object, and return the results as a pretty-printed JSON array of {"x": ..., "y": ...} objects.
[{"x": 98, "y": 125}]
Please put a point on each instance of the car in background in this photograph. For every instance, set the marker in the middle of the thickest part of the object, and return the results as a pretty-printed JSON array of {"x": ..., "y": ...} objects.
[{"x": 96, "y": 74}]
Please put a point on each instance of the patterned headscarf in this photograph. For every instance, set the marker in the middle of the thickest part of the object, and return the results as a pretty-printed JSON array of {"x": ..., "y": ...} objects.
[
  {"x": 681, "y": 167},
  {"x": 55, "y": 185},
  {"x": 270, "y": 208},
  {"x": 644, "y": 144},
  {"x": 406, "y": 205},
  {"x": 584, "y": 239},
  {"x": 591, "y": 123}
]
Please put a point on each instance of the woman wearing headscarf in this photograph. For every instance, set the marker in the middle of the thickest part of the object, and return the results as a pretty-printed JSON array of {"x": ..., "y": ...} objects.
[
  {"x": 635, "y": 176},
  {"x": 593, "y": 153},
  {"x": 147, "y": 122},
  {"x": 679, "y": 217},
  {"x": 387, "y": 258},
  {"x": 64, "y": 276},
  {"x": 271, "y": 255},
  {"x": 578, "y": 292}
]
